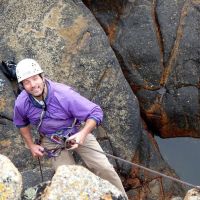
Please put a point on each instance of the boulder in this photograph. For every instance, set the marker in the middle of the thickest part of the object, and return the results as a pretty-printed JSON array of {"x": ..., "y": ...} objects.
[
  {"x": 76, "y": 182},
  {"x": 10, "y": 180},
  {"x": 193, "y": 194}
]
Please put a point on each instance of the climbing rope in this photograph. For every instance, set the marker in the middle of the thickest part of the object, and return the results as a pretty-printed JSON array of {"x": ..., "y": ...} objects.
[
  {"x": 67, "y": 145},
  {"x": 141, "y": 167}
]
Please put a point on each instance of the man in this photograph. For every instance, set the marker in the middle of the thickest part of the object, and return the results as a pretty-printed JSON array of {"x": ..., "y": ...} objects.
[{"x": 58, "y": 112}]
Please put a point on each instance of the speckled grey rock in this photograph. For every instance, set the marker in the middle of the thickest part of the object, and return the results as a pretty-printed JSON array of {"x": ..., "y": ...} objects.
[
  {"x": 65, "y": 38},
  {"x": 10, "y": 180}
]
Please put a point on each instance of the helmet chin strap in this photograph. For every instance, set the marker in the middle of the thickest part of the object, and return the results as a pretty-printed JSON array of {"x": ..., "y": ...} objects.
[
  {"x": 43, "y": 104},
  {"x": 44, "y": 95}
]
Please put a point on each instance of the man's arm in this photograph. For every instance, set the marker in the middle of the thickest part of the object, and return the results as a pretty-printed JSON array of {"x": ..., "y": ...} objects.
[{"x": 36, "y": 150}]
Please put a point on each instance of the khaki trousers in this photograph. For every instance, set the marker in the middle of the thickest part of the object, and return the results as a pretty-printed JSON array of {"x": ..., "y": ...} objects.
[{"x": 96, "y": 162}]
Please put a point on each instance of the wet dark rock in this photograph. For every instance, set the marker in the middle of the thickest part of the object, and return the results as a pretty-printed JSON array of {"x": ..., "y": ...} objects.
[{"x": 157, "y": 45}]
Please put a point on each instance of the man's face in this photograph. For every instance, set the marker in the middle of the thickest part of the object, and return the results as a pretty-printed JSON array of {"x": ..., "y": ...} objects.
[{"x": 34, "y": 85}]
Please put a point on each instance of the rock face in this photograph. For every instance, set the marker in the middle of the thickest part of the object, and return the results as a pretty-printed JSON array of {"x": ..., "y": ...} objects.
[
  {"x": 10, "y": 180},
  {"x": 72, "y": 48},
  {"x": 65, "y": 38},
  {"x": 76, "y": 182},
  {"x": 157, "y": 45}
]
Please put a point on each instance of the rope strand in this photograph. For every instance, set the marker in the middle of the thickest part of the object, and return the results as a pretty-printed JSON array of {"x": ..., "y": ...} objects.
[
  {"x": 142, "y": 167},
  {"x": 63, "y": 146}
]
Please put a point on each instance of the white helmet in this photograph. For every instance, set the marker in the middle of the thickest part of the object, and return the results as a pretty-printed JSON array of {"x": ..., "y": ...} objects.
[{"x": 27, "y": 68}]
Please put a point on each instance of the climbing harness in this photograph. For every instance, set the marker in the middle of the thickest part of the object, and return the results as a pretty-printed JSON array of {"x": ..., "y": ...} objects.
[{"x": 60, "y": 136}]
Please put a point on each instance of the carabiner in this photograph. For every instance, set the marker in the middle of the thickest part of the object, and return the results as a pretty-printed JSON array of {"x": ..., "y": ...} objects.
[{"x": 56, "y": 139}]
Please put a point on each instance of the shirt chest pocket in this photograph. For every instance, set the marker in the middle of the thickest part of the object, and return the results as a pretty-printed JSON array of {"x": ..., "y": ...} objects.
[
  {"x": 34, "y": 116},
  {"x": 57, "y": 114}
]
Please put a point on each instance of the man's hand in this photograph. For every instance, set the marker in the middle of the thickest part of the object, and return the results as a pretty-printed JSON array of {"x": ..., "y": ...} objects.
[
  {"x": 37, "y": 150},
  {"x": 77, "y": 139}
]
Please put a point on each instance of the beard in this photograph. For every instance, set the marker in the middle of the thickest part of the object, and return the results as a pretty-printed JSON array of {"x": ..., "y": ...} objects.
[{"x": 38, "y": 96}]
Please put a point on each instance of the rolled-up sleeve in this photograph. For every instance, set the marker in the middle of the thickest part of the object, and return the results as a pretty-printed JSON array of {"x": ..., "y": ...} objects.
[{"x": 18, "y": 118}]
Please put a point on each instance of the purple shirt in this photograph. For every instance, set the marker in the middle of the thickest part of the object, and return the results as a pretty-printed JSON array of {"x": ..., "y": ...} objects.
[{"x": 63, "y": 106}]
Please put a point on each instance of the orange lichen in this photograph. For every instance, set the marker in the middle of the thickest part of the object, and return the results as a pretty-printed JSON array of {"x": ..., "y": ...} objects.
[
  {"x": 175, "y": 49},
  {"x": 111, "y": 31},
  {"x": 166, "y": 128},
  {"x": 172, "y": 130},
  {"x": 2, "y": 104},
  {"x": 5, "y": 143},
  {"x": 106, "y": 197}
]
